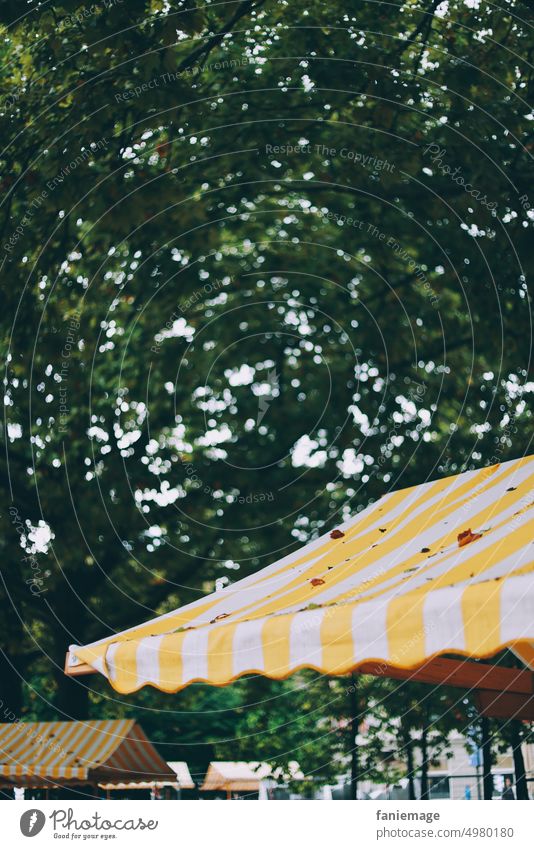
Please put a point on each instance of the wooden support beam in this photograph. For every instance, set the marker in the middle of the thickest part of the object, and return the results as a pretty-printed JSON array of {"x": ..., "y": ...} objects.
[
  {"x": 80, "y": 669},
  {"x": 459, "y": 673},
  {"x": 505, "y": 705}
]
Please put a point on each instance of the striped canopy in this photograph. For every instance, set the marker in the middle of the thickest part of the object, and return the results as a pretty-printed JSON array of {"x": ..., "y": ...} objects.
[
  {"x": 444, "y": 567},
  {"x": 235, "y": 776},
  {"x": 182, "y": 780},
  {"x": 35, "y": 754}
]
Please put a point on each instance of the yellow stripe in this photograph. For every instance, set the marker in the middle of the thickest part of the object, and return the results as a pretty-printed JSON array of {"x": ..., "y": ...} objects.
[
  {"x": 37, "y": 752},
  {"x": 481, "y": 609},
  {"x": 336, "y": 639},
  {"x": 93, "y": 654},
  {"x": 12, "y": 740},
  {"x": 150, "y": 629},
  {"x": 220, "y": 654},
  {"x": 405, "y": 623},
  {"x": 299, "y": 591},
  {"x": 335, "y": 546},
  {"x": 125, "y": 663},
  {"x": 472, "y": 567},
  {"x": 334, "y": 561},
  {"x": 55, "y": 748},
  {"x": 109, "y": 738},
  {"x": 170, "y": 661},
  {"x": 184, "y": 617},
  {"x": 23, "y": 745},
  {"x": 327, "y": 553},
  {"x": 360, "y": 553},
  {"x": 275, "y": 639},
  {"x": 448, "y": 541}
]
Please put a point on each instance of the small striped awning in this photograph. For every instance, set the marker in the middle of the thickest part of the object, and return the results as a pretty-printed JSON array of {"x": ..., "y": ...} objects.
[
  {"x": 443, "y": 567},
  {"x": 34, "y": 754},
  {"x": 235, "y": 776},
  {"x": 182, "y": 780},
  {"x": 185, "y": 782}
]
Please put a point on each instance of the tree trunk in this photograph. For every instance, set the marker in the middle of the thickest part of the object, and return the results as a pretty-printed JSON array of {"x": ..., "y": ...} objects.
[
  {"x": 521, "y": 787},
  {"x": 487, "y": 758},
  {"x": 424, "y": 764},
  {"x": 410, "y": 766},
  {"x": 72, "y": 694},
  {"x": 10, "y": 688},
  {"x": 354, "y": 722},
  {"x": 72, "y": 698}
]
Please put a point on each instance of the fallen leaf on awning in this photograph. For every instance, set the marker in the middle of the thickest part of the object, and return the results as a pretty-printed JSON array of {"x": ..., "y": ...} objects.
[
  {"x": 220, "y": 616},
  {"x": 465, "y": 537}
]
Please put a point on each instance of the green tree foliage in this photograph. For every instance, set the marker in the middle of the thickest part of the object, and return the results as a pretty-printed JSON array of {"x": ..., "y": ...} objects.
[{"x": 261, "y": 262}]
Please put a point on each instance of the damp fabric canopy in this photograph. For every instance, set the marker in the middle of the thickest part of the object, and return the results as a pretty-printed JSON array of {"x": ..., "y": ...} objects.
[
  {"x": 38, "y": 754},
  {"x": 446, "y": 567}
]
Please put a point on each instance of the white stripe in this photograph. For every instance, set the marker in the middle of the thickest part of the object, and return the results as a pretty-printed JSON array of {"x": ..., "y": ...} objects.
[
  {"x": 517, "y": 608},
  {"x": 500, "y": 479},
  {"x": 98, "y": 664},
  {"x": 369, "y": 631},
  {"x": 433, "y": 567},
  {"x": 147, "y": 657},
  {"x": 247, "y": 651},
  {"x": 252, "y": 580},
  {"x": 110, "y": 660},
  {"x": 305, "y": 645},
  {"x": 195, "y": 655},
  {"x": 519, "y": 559},
  {"x": 497, "y": 478},
  {"x": 443, "y": 621},
  {"x": 236, "y": 597},
  {"x": 382, "y": 565}
]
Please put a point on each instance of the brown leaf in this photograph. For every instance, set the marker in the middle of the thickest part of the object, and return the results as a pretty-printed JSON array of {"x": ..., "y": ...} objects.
[
  {"x": 316, "y": 582},
  {"x": 220, "y": 616},
  {"x": 337, "y": 534},
  {"x": 465, "y": 537}
]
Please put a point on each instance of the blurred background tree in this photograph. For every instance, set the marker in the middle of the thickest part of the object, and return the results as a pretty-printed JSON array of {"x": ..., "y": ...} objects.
[{"x": 261, "y": 262}]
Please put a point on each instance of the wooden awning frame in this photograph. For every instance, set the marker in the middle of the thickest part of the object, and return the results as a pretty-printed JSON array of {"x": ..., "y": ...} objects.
[{"x": 500, "y": 692}]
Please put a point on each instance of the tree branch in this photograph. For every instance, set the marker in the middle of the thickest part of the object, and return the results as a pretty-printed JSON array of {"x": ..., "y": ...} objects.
[{"x": 205, "y": 49}]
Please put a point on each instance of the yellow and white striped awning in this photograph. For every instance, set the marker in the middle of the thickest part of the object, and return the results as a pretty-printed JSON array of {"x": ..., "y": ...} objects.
[
  {"x": 182, "y": 780},
  {"x": 42, "y": 753},
  {"x": 444, "y": 567},
  {"x": 235, "y": 776}
]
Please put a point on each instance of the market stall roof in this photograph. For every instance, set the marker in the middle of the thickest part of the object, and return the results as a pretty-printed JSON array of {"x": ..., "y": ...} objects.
[
  {"x": 184, "y": 776},
  {"x": 182, "y": 780},
  {"x": 34, "y": 754},
  {"x": 235, "y": 776},
  {"x": 445, "y": 567}
]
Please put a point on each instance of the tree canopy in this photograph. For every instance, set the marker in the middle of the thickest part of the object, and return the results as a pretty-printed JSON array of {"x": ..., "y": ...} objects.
[{"x": 261, "y": 262}]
